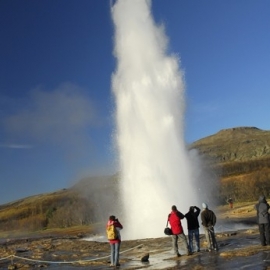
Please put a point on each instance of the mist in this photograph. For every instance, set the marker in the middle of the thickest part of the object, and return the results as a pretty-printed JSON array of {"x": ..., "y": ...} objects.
[
  {"x": 156, "y": 171},
  {"x": 50, "y": 137}
]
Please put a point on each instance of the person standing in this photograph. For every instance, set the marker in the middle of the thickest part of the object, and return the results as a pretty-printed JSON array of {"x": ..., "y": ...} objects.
[
  {"x": 262, "y": 208},
  {"x": 174, "y": 218},
  {"x": 208, "y": 218},
  {"x": 193, "y": 227},
  {"x": 230, "y": 202},
  {"x": 115, "y": 243}
]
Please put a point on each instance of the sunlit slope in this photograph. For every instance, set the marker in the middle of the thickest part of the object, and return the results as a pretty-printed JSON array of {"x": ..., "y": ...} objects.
[
  {"x": 235, "y": 144},
  {"x": 241, "y": 157}
]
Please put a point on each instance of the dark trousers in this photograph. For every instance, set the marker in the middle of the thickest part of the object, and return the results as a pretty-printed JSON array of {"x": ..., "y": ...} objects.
[{"x": 264, "y": 234}]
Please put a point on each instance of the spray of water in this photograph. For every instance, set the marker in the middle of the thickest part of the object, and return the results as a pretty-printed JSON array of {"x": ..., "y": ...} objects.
[{"x": 149, "y": 93}]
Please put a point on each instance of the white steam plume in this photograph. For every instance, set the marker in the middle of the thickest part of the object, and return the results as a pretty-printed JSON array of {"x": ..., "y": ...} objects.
[{"x": 149, "y": 93}]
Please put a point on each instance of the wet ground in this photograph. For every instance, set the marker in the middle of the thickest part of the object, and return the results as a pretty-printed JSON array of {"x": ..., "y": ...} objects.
[
  {"x": 238, "y": 240},
  {"x": 238, "y": 250}
]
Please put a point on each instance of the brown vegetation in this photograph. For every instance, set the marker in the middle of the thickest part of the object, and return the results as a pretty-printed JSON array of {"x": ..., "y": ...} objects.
[
  {"x": 238, "y": 157},
  {"x": 241, "y": 159},
  {"x": 60, "y": 209},
  {"x": 78, "y": 206}
]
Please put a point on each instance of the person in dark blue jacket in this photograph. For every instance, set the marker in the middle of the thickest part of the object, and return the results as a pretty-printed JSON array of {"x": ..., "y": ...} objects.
[{"x": 193, "y": 227}]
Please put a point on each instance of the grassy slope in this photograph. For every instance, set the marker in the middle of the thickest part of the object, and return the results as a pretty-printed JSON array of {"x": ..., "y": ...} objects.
[
  {"x": 240, "y": 210},
  {"x": 235, "y": 150}
]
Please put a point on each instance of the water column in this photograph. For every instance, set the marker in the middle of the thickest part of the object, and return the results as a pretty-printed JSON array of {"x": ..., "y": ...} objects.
[{"x": 149, "y": 98}]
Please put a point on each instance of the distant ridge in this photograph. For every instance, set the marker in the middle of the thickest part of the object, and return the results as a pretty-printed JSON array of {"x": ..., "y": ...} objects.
[{"x": 235, "y": 144}]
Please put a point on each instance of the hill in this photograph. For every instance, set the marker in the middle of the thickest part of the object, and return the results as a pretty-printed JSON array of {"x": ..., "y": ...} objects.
[
  {"x": 235, "y": 144},
  {"x": 59, "y": 209},
  {"x": 241, "y": 158},
  {"x": 80, "y": 205}
]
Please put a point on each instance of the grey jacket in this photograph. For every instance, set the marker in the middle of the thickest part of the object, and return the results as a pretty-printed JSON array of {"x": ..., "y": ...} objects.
[{"x": 262, "y": 208}]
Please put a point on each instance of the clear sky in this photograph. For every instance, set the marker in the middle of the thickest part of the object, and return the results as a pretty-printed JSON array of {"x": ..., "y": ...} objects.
[{"x": 56, "y": 63}]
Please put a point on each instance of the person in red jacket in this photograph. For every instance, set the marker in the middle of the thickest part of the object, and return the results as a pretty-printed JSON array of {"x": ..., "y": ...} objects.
[
  {"x": 174, "y": 219},
  {"x": 115, "y": 243}
]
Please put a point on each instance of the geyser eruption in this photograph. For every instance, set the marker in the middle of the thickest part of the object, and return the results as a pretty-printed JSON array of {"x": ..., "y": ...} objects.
[{"x": 149, "y": 94}]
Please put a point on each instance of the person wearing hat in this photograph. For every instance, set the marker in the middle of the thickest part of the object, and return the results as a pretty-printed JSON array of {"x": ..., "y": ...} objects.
[
  {"x": 209, "y": 219},
  {"x": 262, "y": 208},
  {"x": 174, "y": 219}
]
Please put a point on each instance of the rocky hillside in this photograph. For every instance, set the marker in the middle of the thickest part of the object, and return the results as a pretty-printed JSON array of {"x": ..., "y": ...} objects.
[
  {"x": 241, "y": 158},
  {"x": 235, "y": 144}
]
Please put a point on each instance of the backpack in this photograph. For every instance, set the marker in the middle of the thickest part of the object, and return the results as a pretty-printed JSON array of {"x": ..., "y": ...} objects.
[{"x": 111, "y": 232}]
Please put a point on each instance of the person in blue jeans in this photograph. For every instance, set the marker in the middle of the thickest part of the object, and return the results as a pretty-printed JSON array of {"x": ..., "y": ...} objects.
[
  {"x": 115, "y": 243},
  {"x": 193, "y": 227}
]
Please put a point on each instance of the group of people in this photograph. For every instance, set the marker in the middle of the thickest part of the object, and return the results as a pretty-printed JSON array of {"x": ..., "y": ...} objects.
[{"x": 208, "y": 219}]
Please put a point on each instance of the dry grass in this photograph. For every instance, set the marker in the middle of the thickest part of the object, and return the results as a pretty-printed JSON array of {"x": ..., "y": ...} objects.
[
  {"x": 244, "y": 252},
  {"x": 71, "y": 231},
  {"x": 241, "y": 209}
]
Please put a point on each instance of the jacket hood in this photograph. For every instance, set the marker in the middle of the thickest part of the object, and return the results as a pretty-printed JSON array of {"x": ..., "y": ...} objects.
[{"x": 262, "y": 198}]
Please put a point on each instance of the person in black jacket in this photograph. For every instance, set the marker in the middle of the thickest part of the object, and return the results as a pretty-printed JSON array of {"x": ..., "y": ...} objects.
[
  {"x": 262, "y": 208},
  {"x": 193, "y": 227},
  {"x": 209, "y": 219}
]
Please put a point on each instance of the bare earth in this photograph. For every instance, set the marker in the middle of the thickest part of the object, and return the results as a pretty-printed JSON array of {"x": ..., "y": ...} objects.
[{"x": 237, "y": 236}]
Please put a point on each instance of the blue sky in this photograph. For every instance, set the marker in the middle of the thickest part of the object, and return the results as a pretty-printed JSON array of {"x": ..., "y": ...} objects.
[{"x": 56, "y": 63}]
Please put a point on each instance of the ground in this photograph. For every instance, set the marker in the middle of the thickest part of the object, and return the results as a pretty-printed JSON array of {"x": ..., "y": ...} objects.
[{"x": 237, "y": 236}]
